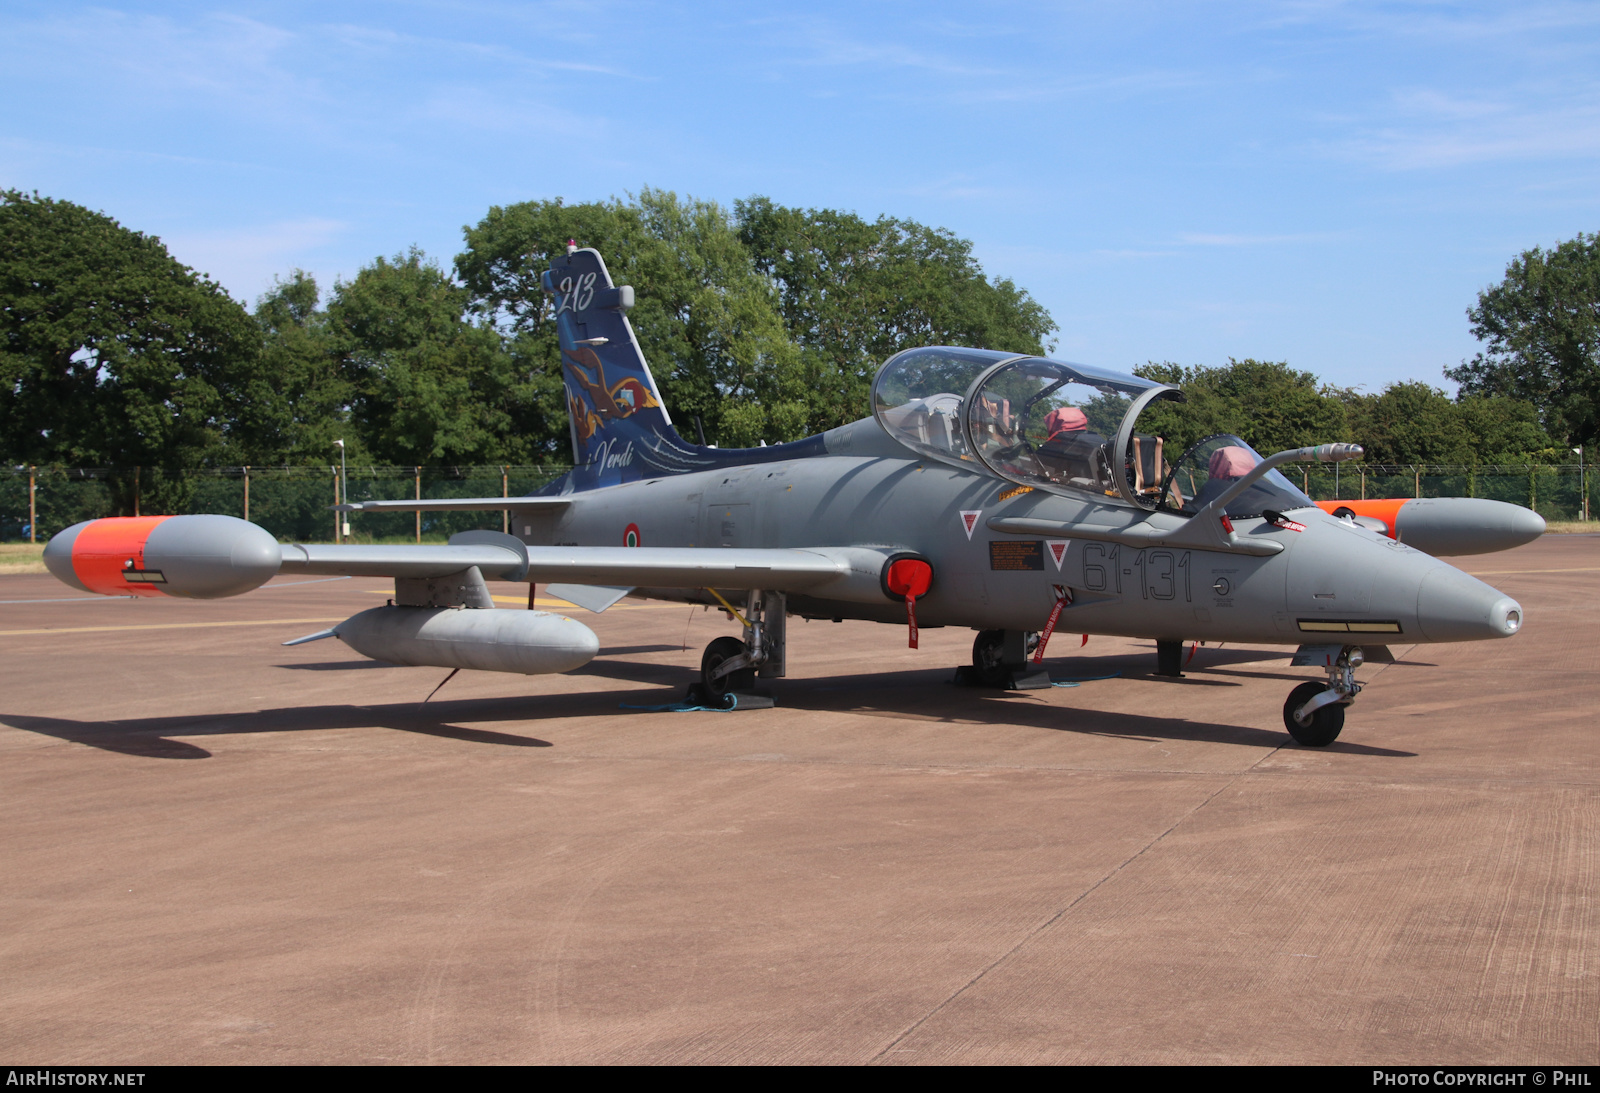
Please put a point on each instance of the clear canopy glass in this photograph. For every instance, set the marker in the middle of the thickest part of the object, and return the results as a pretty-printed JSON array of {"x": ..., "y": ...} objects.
[
  {"x": 1203, "y": 472},
  {"x": 1048, "y": 424},
  {"x": 918, "y": 397},
  {"x": 1037, "y": 422}
]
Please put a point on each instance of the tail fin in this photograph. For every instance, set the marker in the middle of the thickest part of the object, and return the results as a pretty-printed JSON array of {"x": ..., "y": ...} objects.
[
  {"x": 613, "y": 404},
  {"x": 621, "y": 431}
]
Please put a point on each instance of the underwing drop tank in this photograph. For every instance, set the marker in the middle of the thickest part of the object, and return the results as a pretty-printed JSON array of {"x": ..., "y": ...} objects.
[{"x": 525, "y": 642}]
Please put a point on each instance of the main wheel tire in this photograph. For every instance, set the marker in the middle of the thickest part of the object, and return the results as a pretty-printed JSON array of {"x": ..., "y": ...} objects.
[
  {"x": 988, "y": 658},
  {"x": 716, "y": 654},
  {"x": 1323, "y": 727}
]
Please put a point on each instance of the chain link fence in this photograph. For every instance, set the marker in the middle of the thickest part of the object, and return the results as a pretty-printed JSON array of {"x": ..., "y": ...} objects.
[
  {"x": 293, "y": 503},
  {"x": 296, "y": 503},
  {"x": 1554, "y": 491}
]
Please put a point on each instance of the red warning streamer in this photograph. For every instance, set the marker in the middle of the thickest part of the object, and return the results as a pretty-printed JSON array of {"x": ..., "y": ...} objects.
[
  {"x": 1063, "y": 597},
  {"x": 910, "y": 577}
]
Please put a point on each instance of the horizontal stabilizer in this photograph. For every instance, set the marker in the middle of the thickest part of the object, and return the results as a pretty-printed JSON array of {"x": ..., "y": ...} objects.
[{"x": 460, "y": 504}]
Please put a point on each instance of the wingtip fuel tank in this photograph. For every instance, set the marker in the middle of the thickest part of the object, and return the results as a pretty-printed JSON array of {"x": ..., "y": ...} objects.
[
  {"x": 193, "y": 557},
  {"x": 1445, "y": 526}
]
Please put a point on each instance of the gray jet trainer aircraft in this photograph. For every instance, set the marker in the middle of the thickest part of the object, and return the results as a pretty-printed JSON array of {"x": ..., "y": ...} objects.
[{"x": 1011, "y": 494}]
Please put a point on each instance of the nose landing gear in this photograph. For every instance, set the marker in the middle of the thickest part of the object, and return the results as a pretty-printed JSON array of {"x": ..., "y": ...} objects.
[{"x": 1314, "y": 713}]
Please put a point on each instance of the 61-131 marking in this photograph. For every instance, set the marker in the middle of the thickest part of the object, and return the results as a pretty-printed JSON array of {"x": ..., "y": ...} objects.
[{"x": 1160, "y": 571}]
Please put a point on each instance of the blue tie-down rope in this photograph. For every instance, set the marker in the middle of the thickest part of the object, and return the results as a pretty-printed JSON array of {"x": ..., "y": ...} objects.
[
  {"x": 684, "y": 707},
  {"x": 1082, "y": 679}
]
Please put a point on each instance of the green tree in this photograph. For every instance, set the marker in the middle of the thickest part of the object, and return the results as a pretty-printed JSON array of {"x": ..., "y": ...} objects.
[
  {"x": 1414, "y": 423},
  {"x": 1409, "y": 423},
  {"x": 297, "y": 408},
  {"x": 1506, "y": 430},
  {"x": 1541, "y": 331},
  {"x": 1267, "y": 403},
  {"x": 854, "y": 292},
  {"x": 114, "y": 354},
  {"x": 708, "y": 325},
  {"x": 426, "y": 384}
]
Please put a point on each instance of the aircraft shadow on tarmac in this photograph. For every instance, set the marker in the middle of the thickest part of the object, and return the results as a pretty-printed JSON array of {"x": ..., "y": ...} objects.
[
  {"x": 150, "y": 737},
  {"x": 354, "y": 664},
  {"x": 921, "y": 695},
  {"x": 337, "y": 665}
]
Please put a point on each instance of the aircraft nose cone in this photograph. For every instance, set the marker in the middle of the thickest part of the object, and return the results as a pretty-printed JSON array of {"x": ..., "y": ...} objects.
[{"x": 1452, "y": 606}]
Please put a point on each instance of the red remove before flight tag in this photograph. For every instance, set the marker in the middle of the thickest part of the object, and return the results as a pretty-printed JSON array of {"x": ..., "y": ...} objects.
[{"x": 909, "y": 577}]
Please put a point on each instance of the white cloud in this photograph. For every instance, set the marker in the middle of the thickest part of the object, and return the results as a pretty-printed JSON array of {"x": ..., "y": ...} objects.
[
  {"x": 1432, "y": 129},
  {"x": 218, "y": 58},
  {"x": 246, "y": 259},
  {"x": 1224, "y": 239},
  {"x": 479, "y": 108}
]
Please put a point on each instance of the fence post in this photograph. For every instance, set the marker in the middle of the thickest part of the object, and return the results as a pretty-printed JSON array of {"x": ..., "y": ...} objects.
[
  {"x": 1363, "y": 483},
  {"x": 338, "y": 517},
  {"x": 33, "y": 519},
  {"x": 1416, "y": 485},
  {"x": 505, "y": 491},
  {"x": 419, "y": 498},
  {"x": 247, "y": 493},
  {"x": 1533, "y": 488}
]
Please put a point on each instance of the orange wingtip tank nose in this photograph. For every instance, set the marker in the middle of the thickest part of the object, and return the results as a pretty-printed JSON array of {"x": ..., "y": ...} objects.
[
  {"x": 1387, "y": 510},
  {"x": 196, "y": 557},
  {"x": 108, "y": 556}
]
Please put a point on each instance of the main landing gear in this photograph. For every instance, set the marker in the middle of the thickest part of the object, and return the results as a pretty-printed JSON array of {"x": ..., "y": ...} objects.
[
  {"x": 1314, "y": 713},
  {"x": 730, "y": 665},
  {"x": 1169, "y": 659},
  {"x": 1000, "y": 659}
]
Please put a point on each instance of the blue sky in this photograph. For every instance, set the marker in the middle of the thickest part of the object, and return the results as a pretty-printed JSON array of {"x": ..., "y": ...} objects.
[{"x": 1329, "y": 184}]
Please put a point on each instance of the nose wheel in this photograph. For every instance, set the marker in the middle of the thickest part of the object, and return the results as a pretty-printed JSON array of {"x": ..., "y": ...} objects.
[
  {"x": 1314, "y": 712},
  {"x": 1321, "y": 727}
]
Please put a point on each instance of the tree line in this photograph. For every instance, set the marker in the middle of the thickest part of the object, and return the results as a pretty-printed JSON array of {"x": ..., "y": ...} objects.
[{"x": 765, "y": 322}]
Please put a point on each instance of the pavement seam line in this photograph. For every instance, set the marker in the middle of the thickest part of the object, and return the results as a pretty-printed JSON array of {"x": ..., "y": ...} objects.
[
  {"x": 1053, "y": 919},
  {"x": 162, "y": 626}
]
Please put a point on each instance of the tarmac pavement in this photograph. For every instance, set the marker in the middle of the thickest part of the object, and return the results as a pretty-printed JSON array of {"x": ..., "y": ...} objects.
[{"x": 220, "y": 850}]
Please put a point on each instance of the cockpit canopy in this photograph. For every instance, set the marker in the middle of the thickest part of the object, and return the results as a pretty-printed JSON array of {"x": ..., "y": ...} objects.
[
  {"x": 1034, "y": 421},
  {"x": 1210, "y": 466},
  {"x": 1058, "y": 427}
]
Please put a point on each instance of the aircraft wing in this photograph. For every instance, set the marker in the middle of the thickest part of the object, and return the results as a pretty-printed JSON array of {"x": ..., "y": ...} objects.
[
  {"x": 358, "y": 560},
  {"x": 497, "y": 557}
]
